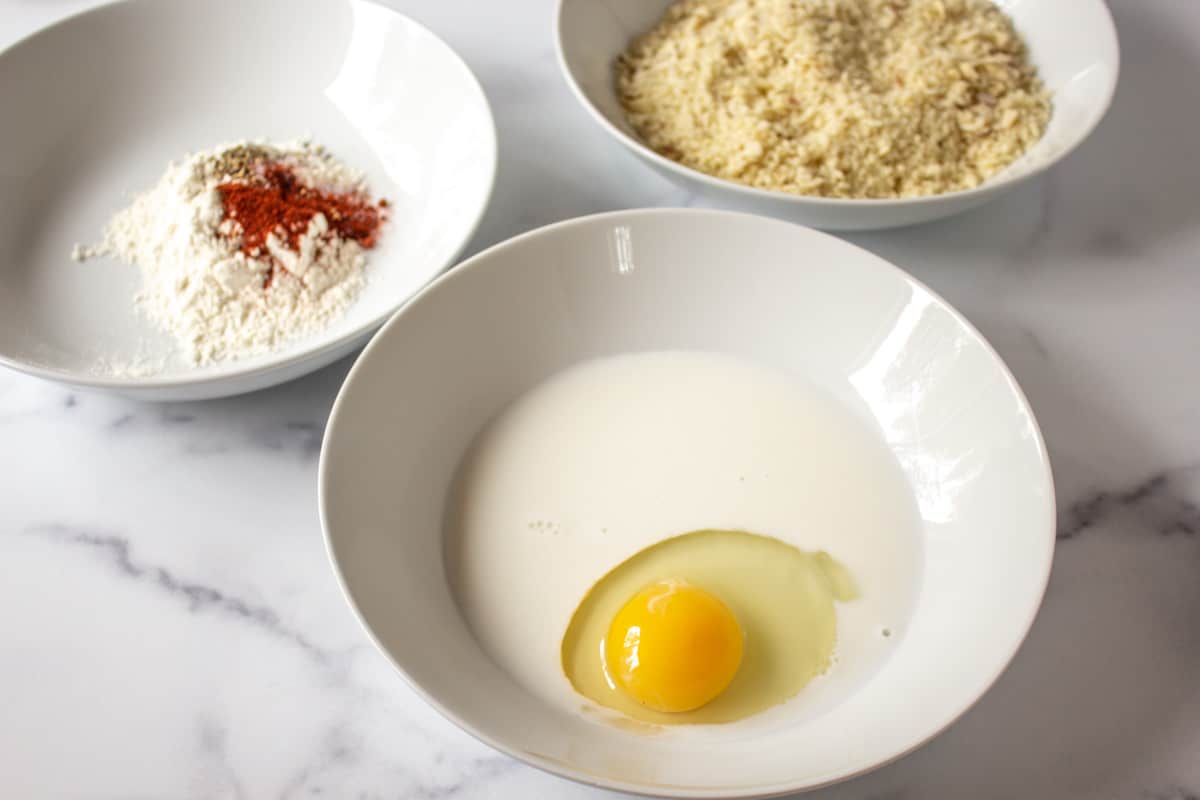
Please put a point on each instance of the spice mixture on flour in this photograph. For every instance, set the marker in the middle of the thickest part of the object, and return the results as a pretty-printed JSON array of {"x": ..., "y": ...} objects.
[{"x": 247, "y": 246}]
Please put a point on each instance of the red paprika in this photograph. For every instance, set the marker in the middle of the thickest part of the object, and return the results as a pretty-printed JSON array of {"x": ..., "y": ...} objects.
[{"x": 275, "y": 201}]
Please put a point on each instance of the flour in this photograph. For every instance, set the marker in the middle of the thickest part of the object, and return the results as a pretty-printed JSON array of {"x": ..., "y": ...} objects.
[
  {"x": 140, "y": 366},
  {"x": 199, "y": 284}
]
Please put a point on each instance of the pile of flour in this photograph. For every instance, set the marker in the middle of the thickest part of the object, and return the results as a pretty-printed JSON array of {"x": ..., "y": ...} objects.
[{"x": 199, "y": 286}]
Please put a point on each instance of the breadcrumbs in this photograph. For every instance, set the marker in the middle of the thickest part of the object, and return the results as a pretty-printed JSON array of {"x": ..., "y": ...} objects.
[{"x": 836, "y": 98}]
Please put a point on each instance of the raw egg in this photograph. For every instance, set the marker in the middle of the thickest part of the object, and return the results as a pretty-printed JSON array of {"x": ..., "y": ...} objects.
[{"x": 740, "y": 623}]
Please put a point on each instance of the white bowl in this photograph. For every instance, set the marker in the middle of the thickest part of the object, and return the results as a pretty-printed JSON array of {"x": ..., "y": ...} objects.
[
  {"x": 96, "y": 106},
  {"x": 1073, "y": 44},
  {"x": 771, "y": 292}
]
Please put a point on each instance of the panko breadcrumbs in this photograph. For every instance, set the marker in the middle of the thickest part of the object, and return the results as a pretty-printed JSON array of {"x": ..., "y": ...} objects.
[{"x": 836, "y": 98}]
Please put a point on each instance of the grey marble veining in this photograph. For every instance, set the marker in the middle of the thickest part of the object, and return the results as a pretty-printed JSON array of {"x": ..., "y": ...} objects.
[
  {"x": 171, "y": 628},
  {"x": 196, "y": 597}
]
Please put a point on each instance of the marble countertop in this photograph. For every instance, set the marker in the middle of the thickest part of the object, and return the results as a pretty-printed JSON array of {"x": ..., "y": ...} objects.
[{"x": 171, "y": 628}]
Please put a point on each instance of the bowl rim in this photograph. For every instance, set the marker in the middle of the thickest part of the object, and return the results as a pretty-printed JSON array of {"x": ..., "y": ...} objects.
[
  {"x": 752, "y": 792},
  {"x": 318, "y": 348},
  {"x": 1111, "y": 43}
]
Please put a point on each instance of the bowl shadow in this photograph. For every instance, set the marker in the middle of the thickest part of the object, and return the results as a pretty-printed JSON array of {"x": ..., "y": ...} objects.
[
  {"x": 1137, "y": 173},
  {"x": 1139, "y": 167},
  {"x": 1107, "y": 674}
]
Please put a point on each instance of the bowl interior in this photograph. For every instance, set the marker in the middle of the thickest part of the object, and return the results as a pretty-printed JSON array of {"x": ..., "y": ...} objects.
[
  {"x": 767, "y": 291},
  {"x": 1072, "y": 44},
  {"x": 96, "y": 106}
]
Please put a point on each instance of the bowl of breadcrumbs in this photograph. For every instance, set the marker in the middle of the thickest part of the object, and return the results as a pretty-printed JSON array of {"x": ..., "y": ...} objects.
[{"x": 843, "y": 114}]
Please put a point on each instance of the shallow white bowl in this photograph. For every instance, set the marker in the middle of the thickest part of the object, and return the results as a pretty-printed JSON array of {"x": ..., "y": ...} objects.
[
  {"x": 95, "y": 106},
  {"x": 1073, "y": 44},
  {"x": 775, "y": 293}
]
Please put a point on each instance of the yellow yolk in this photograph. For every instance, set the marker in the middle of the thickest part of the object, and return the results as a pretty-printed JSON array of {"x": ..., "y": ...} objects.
[{"x": 673, "y": 647}]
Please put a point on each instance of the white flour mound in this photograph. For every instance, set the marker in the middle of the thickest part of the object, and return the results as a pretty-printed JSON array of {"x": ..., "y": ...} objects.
[{"x": 200, "y": 287}]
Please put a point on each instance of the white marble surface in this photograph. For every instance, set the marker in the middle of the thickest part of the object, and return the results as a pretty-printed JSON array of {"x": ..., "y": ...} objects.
[{"x": 171, "y": 629}]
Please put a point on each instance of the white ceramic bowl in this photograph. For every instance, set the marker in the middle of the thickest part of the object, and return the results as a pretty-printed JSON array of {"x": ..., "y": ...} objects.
[
  {"x": 96, "y": 106},
  {"x": 1073, "y": 44},
  {"x": 764, "y": 290}
]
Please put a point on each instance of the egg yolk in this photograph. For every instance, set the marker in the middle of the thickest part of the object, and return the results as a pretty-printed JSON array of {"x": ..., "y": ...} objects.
[{"x": 673, "y": 647}]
